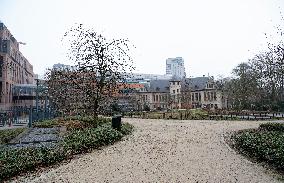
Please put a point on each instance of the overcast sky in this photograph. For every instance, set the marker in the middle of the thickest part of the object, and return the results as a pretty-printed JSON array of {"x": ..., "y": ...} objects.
[{"x": 211, "y": 36}]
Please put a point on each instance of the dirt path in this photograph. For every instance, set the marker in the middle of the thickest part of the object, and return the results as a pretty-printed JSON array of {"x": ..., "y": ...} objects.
[{"x": 165, "y": 151}]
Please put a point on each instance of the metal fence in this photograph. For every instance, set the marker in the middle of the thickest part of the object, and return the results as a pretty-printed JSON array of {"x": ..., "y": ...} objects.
[{"x": 25, "y": 116}]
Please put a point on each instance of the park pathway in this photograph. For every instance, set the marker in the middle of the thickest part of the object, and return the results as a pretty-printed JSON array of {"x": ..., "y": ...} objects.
[{"x": 164, "y": 151}]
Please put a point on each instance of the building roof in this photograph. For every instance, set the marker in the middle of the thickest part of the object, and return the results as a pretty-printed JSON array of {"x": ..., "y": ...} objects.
[
  {"x": 161, "y": 85},
  {"x": 131, "y": 86},
  {"x": 198, "y": 83},
  {"x": 194, "y": 84}
]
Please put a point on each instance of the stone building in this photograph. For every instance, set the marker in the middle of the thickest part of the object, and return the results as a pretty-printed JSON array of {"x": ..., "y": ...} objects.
[
  {"x": 199, "y": 92},
  {"x": 202, "y": 93},
  {"x": 15, "y": 69}
]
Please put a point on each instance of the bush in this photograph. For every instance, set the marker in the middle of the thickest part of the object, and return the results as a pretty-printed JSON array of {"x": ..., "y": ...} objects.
[
  {"x": 126, "y": 129},
  {"x": 16, "y": 161},
  {"x": 265, "y": 146},
  {"x": 73, "y": 122},
  {"x": 47, "y": 123},
  {"x": 84, "y": 140},
  {"x": 272, "y": 127},
  {"x": 9, "y": 134}
]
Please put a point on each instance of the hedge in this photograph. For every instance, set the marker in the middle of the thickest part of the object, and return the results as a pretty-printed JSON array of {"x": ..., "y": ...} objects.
[
  {"x": 9, "y": 134},
  {"x": 265, "y": 144},
  {"x": 16, "y": 161}
]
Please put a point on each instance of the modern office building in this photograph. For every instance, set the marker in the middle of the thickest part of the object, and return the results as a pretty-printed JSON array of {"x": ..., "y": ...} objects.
[
  {"x": 175, "y": 67},
  {"x": 63, "y": 67},
  {"x": 15, "y": 70}
]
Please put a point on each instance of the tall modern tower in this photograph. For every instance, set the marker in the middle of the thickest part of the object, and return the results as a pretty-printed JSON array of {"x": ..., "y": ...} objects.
[{"x": 175, "y": 67}]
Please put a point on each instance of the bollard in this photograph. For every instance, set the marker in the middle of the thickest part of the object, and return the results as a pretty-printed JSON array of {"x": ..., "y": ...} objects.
[{"x": 116, "y": 122}]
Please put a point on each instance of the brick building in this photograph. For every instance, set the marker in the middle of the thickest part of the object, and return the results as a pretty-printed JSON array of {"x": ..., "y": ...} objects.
[{"x": 15, "y": 69}]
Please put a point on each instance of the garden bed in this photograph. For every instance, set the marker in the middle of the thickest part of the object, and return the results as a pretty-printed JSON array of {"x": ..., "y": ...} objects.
[
  {"x": 265, "y": 144},
  {"x": 79, "y": 138},
  {"x": 7, "y": 135}
]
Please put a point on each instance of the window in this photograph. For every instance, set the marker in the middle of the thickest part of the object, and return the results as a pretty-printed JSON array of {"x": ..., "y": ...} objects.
[
  {"x": 174, "y": 91},
  {"x": 209, "y": 85},
  {"x": 177, "y": 90},
  {"x": 5, "y": 46}
]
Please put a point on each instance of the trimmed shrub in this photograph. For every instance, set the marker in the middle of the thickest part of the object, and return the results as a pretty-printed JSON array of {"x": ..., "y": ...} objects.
[
  {"x": 265, "y": 146},
  {"x": 126, "y": 128},
  {"x": 16, "y": 161},
  {"x": 9, "y": 134},
  {"x": 73, "y": 122},
  {"x": 46, "y": 123},
  {"x": 272, "y": 127},
  {"x": 83, "y": 140}
]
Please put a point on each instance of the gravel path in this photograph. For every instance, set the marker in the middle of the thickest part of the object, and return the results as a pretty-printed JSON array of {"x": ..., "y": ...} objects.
[{"x": 164, "y": 151}]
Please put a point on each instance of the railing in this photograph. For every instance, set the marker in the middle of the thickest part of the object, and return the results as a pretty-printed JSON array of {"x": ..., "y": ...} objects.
[
  {"x": 25, "y": 116},
  {"x": 219, "y": 115}
]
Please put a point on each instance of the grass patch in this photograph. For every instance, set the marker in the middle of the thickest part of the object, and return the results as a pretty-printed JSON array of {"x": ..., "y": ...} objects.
[
  {"x": 16, "y": 161},
  {"x": 9, "y": 134},
  {"x": 265, "y": 144}
]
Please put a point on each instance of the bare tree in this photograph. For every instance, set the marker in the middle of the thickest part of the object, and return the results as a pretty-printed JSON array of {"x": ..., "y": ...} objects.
[
  {"x": 99, "y": 68},
  {"x": 260, "y": 81}
]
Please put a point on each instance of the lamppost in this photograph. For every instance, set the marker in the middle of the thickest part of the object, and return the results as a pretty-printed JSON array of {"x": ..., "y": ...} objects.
[
  {"x": 37, "y": 81},
  {"x": 37, "y": 88}
]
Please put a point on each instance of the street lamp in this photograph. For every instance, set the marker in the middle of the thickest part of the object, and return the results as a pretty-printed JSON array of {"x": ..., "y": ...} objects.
[{"x": 37, "y": 80}]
